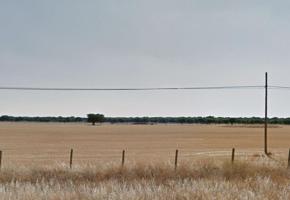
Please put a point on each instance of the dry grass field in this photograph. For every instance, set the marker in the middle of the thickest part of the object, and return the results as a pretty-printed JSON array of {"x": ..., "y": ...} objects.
[
  {"x": 36, "y": 156},
  {"x": 46, "y": 143},
  {"x": 207, "y": 179}
]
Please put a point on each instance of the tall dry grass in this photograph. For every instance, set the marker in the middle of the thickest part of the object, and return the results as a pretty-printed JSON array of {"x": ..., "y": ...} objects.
[{"x": 203, "y": 179}]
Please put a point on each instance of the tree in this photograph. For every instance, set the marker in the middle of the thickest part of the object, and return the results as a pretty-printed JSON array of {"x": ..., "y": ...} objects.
[
  {"x": 232, "y": 120},
  {"x": 93, "y": 118}
]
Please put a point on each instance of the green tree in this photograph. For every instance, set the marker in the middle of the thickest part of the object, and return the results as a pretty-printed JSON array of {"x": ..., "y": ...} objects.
[{"x": 94, "y": 118}]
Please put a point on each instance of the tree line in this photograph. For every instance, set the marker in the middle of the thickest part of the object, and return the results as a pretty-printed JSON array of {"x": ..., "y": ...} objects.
[
  {"x": 6, "y": 118},
  {"x": 99, "y": 118}
]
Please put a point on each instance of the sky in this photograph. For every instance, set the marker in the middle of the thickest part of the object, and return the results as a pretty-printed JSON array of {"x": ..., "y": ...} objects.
[{"x": 152, "y": 43}]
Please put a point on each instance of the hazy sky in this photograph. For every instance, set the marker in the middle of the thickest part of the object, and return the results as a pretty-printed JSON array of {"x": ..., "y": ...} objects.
[{"x": 144, "y": 43}]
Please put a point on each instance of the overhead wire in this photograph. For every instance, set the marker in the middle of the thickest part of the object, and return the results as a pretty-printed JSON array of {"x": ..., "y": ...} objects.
[
  {"x": 279, "y": 87},
  {"x": 144, "y": 88},
  {"x": 132, "y": 89}
]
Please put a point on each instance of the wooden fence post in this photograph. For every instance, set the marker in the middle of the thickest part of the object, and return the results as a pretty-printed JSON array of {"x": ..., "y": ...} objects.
[
  {"x": 289, "y": 160},
  {"x": 176, "y": 159},
  {"x": 0, "y": 160},
  {"x": 123, "y": 158},
  {"x": 71, "y": 158},
  {"x": 233, "y": 155}
]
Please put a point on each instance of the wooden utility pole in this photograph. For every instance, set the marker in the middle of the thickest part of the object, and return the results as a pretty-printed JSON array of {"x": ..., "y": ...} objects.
[{"x": 266, "y": 115}]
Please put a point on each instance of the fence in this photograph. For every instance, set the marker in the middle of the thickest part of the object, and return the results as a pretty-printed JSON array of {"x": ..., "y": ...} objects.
[{"x": 124, "y": 154}]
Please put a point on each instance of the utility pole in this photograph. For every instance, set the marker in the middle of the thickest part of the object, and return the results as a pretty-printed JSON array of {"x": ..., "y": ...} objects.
[{"x": 266, "y": 115}]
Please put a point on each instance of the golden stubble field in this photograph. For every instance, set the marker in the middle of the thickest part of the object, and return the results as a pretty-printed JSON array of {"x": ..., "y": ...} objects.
[
  {"x": 36, "y": 162},
  {"x": 46, "y": 143}
]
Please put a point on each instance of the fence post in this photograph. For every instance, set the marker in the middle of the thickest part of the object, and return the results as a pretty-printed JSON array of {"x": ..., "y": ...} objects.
[
  {"x": 123, "y": 158},
  {"x": 233, "y": 155},
  {"x": 71, "y": 158},
  {"x": 176, "y": 158},
  {"x": 0, "y": 160},
  {"x": 289, "y": 160}
]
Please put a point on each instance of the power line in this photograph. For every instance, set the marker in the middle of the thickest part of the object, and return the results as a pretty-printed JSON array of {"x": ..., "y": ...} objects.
[
  {"x": 132, "y": 89},
  {"x": 279, "y": 87}
]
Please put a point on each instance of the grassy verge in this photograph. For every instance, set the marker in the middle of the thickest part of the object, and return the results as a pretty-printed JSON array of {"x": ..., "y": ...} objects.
[{"x": 198, "y": 180}]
